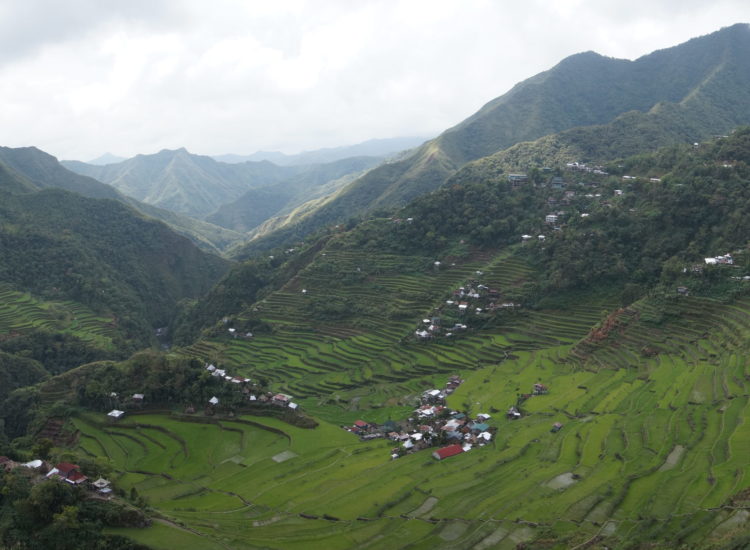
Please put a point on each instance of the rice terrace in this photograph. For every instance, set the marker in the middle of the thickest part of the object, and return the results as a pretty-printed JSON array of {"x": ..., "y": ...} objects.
[
  {"x": 337, "y": 322},
  {"x": 652, "y": 440}
]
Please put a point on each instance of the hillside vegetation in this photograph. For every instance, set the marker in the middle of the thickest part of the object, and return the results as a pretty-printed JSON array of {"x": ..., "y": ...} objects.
[
  {"x": 647, "y": 381},
  {"x": 650, "y": 395},
  {"x": 593, "y": 312},
  {"x": 27, "y": 169},
  {"x": 236, "y": 196},
  {"x": 677, "y": 95}
]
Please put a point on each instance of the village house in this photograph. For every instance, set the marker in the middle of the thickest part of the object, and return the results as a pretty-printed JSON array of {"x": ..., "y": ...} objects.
[
  {"x": 67, "y": 472},
  {"x": 115, "y": 414},
  {"x": 102, "y": 486},
  {"x": 720, "y": 260},
  {"x": 556, "y": 427},
  {"x": 361, "y": 424},
  {"x": 432, "y": 397},
  {"x": 557, "y": 182},
  {"x": 513, "y": 413},
  {"x": 446, "y": 452},
  {"x": 36, "y": 464},
  {"x": 540, "y": 389},
  {"x": 281, "y": 399}
]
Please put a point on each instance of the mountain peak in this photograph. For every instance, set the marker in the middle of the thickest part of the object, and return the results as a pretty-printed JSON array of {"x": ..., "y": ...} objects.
[{"x": 106, "y": 158}]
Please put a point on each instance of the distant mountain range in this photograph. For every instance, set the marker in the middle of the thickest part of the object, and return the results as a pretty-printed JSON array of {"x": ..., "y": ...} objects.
[
  {"x": 203, "y": 188},
  {"x": 606, "y": 108},
  {"x": 95, "y": 249},
  {"x": 106, "y": 158},
  {"x": 29, "y": 169},
  {"x": 369, "y": 148}
]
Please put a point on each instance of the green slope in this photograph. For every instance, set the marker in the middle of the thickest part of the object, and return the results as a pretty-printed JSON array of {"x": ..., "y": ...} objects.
[
  {"x": 650, "y": 385},
  {"x": 29, "y": 169},
  {"x": 258, "y": 205},
  {"x": 699, "y": 86},
  {"x": 100, "y": 253},
  {"x": 182, "y": 182}
]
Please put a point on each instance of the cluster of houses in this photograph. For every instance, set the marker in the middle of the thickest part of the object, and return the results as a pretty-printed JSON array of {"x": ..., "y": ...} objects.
[
  {"x": 279, "y": 399},
  {"x": 243, "y": 384},
  {"x": 136, "y": 400},
  {"x": 473, "y": 298},
  {"x": 233, "y": 331},
  {"x": 222, "y": 373},
  {"x": 435, "y": 424},
  {"x": 432, "y": 424},
  {"x": 582, "y": 167},
  {"x": 64, "y": 472}
]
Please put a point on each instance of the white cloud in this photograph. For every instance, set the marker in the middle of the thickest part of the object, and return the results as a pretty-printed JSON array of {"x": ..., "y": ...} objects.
[{"x": 81, "y": 77}]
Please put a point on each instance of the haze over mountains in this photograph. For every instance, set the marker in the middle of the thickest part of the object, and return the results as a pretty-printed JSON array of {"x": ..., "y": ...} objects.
[
  {"x": 199, "y": 186},
  {"x": 619, "y": 107},
  {"x": 369, "y": 148},
  {"x": 587, "y": 108},
  {"x": 619, "y": 296}
]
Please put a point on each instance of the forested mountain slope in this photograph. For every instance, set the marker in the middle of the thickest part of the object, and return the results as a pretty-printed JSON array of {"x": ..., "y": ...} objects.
[
  {"x": 259, "y": 204},
  {"x": 198, "y": 186},
  {"x": 182, "y": 182},
  {"x": 27, "y": 169},
  {"x": 102, "y": 254},
  {"x": 693, "y": 90}
]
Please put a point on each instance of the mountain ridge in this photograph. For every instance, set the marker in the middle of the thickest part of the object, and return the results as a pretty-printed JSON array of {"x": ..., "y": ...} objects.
[
  {"x": 597, "y": 90},
  {"x": 30, "y": 169}
]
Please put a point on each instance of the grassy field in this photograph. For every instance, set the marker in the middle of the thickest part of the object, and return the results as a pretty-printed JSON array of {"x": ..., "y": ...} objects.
[{"x": 653, "y": 445}]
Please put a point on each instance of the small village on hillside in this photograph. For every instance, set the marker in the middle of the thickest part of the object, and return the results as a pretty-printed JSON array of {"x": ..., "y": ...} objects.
[{"x": 434, "y": 424}]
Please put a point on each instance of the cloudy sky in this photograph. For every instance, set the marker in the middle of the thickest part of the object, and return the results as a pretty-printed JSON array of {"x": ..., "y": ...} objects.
[{"x": 82, "y": 77}]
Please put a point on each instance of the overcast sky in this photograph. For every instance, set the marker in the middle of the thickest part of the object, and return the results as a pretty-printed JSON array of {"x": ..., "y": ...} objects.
[{"x": 82, "y": 77}]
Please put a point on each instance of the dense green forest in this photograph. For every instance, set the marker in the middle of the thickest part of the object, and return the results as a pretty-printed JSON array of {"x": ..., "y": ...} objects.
[
  {"x": 102, "y": 254},
  {"x": 41, "y": 515}
]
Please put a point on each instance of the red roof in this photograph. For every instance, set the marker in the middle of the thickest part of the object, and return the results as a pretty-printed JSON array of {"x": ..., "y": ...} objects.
[
  {"x": 361, "y": 423},
  {"x": 448, "y": 451},
  {"x": 76, "y": 477},
  {"x": 66, "y": 467}
]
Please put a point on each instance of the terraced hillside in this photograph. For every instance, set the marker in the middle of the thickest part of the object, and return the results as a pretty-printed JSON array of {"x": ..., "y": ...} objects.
[
  {"x": 349, "y": 338},
  {"x": 653, "y": 446},
  {"x": 20, "y": 313}
]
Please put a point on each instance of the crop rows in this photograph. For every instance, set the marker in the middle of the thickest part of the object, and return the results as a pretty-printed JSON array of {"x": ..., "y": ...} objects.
[{"x": 20, "y": 312}]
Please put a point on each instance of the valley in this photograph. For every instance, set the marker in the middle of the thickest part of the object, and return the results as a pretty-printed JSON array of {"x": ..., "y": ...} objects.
[{"x": 527, "y": 333}]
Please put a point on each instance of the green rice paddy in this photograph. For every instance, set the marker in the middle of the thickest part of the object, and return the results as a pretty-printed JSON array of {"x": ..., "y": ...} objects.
[{"x": 654, "y": 440}]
